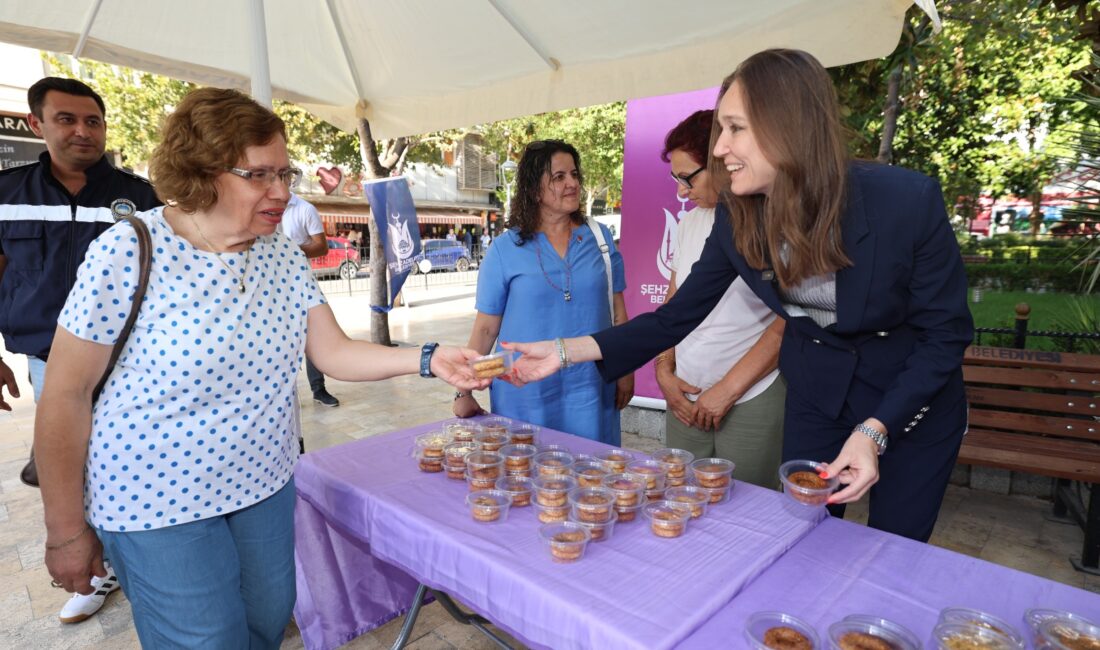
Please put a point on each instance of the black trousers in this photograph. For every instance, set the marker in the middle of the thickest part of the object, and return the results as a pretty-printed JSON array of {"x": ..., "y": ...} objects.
[
  {"x": 316, "y": 379},
  {"x": 913, "y": 473}
]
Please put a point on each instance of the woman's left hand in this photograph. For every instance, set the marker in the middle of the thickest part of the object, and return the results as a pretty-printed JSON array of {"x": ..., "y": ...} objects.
[
  {"x": 712, "y": 406},
  {"x": 857, "y": 467},
  {"x": 624, "y": 391},
  {"x": 449, "y": 363}
]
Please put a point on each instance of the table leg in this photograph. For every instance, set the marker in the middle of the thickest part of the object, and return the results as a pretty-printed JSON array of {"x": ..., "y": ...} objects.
[
  {"x": 410, "y": 618},
  {"x": 477, "y": 620}
]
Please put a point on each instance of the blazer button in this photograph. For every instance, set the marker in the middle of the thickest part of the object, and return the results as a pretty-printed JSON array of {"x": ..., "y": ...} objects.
[
  {"x": 882, "y": 334},
  {"x": 817, "y": 341}
]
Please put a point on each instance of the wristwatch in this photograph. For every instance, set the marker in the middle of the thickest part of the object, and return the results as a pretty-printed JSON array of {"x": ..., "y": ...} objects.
[
  {"x": 459, "y": 395},
  {"x": 426, "y": 353},
  {"x": 874, "y": 434}
]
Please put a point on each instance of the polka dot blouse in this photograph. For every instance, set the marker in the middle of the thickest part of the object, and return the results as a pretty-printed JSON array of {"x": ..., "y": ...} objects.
[{"x": 197, "y": 418}]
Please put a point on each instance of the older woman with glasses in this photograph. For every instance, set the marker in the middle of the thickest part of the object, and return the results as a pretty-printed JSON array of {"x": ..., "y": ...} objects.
[
  {"x": 721, "y": 383},
  {"x": 543, "y": 276},
  {"x": 181, "y": 470}
]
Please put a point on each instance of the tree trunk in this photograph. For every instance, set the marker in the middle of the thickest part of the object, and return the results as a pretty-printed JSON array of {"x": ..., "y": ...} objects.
[
  {"x": 379, "y": 292},
  {"x": 890, "y": 117}
]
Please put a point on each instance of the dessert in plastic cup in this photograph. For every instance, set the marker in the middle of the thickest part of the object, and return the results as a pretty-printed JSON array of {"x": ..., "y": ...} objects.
[
  {"x": 565, "y": 540},
  {"x": 712, "y": 472},
  {"x": 717, "y": 495},
  {"x": 517, "y": 457},
  {"x": 523, "y": 433},
  {"x": 1068, "y": 634},
  {"x": 629, "y": 494},
  {"x": 599, "y": 532},
  {"x": 886, "y": 624},
  {"x": 694, "y": 496},
  {"x": 1036, "y": 616},
  {"x": 519, "y": 487},
  {"x": 553, "y": 491},
  {"x": 485, "y": 464},
  {"x": 858, "y": 634},
  {"x": 667, "y": 518},
  {"x": 550, "y": 514},
  {"x": 802, "y": 482},
  {"x": 430, "y": 444},
  {"x": 462, "y": 430},
  {"x": 430, "y": 464},
  {"x": 592, "y": 505},
  {"x": 615, "y": 460},
  {"x": 554, "y": 463},
  {"x": 492, "y": 440},
  {"x": 489, "y": 505},
  {"x": 771, "y": 630},
  {"x": 476, "y": 483},
  {"x": 589, "y": 473},
  {"x": 964, "y": 636},
  {"x": 982, "y": 619},
  {"x": 651, "y": 472},
  {"x": 676, "y": 462},
  {"x": 492, "y": 365},
  {"x": 496, "y": 424},
  {"x": 454, "y": 458}
]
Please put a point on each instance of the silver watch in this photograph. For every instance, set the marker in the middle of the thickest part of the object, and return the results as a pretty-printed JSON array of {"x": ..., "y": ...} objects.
[
  {"x": 459, "y": 395},
  {"x": 872, "y": 433}
]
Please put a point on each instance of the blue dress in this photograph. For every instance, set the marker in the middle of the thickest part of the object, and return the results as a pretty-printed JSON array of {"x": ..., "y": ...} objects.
[{"x": 526, "y": 285}]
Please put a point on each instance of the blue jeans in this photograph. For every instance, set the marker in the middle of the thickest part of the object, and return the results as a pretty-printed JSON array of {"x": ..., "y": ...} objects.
[
  {"x": 223, "y": 582},
  {"x": 36, "y": 368}
]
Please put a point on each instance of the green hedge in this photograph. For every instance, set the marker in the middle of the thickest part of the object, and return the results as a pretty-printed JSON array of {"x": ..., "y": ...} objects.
[{"x": 1008, "y": 276}]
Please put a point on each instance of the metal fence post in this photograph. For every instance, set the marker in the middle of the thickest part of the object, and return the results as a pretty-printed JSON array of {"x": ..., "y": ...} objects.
[{"x": 1023, "y": 311}]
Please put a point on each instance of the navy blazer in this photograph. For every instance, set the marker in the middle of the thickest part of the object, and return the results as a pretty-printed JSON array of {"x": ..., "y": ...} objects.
[{"x": 902, "y": 326}]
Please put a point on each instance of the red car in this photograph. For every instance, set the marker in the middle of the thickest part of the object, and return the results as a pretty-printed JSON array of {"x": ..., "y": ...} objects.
[{"x": 342, "y": 259}]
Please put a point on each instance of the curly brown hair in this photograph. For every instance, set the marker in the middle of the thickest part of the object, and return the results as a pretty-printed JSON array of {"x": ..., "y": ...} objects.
[
  {"x": 533, "y": 165},
  {"x": 206, "y": 135}
]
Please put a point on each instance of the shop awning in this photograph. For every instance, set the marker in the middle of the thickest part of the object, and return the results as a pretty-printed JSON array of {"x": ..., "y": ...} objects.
[
  {"x": 329, "y": 217},
  {"x": 439, "y": 217}
]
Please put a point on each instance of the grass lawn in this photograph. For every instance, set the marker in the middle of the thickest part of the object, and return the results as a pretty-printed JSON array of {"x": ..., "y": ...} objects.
[{"x": 1049, "y": 311}]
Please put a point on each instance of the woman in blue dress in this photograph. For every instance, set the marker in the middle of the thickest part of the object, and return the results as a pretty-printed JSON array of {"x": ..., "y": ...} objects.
[{"x": 546, "y": 277}]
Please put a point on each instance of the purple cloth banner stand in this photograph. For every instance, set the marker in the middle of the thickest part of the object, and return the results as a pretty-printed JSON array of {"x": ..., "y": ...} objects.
[{"x": 391, "y": 203}]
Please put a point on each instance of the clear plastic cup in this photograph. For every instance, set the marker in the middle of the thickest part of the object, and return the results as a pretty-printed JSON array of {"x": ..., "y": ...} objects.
[
  {"x": 496, "y": 424},
  {"x": 802, "y": 482},
  {"x": 520, "y": 488},
  {"x": 462, "y": 430},
  {"x": 454, "y": 458},
  {"x": 565, "y": 540},
  {"x": 492, "y": 365},
  {"x": 651, "y": 472},
  {"x": 628, "y": 514},
  {"x": 430, "y": 444},
  {"x": 554, "y": 447},
  {"x": 982, "y": 619},
  {"x": 589, "y": 473},
  {"x": 517, "y": 457},
  {"x": 553, "y": 463},
  {"x": 1036, "y": 616},
  {"x": 553, "y": 491},
  {"x": 489, "y": 506},
  {"x": 430, "y": 464},
  {"x": 886, "y": 624},
  {"x": 523, "y": 433},
  {"x": 696, "y": 497},
  {"x": 615, "y": 460},
  {"x": 629, "y": 492},
  {"x": 1068, "y": 634},
  {"x": 717, "y": 495},
  {"x": 492, "y": 440},
  {"x": 476, "y": 483},
  {"x": 550, "y": 514},
  {"x": 667, "y": 518},
  {"x": 592, "y": 505},
  {"x": 847, "y": 633},
  {"x": 768, "y": 630},
  {"x": 676, "y": 462},
  {"x": 712, "y": 472},
  {"x": 599, "y": 532},
  {"x": 962, "y": 636},
  {"x": 485, "y": 464}
]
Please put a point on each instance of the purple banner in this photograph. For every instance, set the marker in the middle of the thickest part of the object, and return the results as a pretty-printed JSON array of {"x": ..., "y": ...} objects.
[{"x": 651, "y": 209}]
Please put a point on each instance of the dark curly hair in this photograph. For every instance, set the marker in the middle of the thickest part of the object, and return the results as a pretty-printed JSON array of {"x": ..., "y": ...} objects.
[
  {"x": 535, "y": 162},
  {"x": 692, "y": 136}
]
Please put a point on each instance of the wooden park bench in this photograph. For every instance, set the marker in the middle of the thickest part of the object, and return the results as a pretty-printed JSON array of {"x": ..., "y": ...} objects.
[{"x": 1039, "y": 412}]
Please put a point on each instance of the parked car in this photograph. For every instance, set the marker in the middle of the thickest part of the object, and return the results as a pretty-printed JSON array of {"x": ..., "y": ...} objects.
[
  {"x": 444, "y": 255},
  {"x": 341, "y": 260}
]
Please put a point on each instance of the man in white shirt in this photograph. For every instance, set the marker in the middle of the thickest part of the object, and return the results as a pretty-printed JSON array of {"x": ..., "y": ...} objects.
[{"x": 302, "y": 225}]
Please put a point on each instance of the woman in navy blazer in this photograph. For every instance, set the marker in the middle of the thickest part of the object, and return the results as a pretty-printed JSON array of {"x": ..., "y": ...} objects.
[{"x": 860, "y": 260}]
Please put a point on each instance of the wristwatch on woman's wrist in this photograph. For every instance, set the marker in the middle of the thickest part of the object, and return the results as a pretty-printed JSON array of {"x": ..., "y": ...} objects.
[
  {"x": 459, "y": 395},
  {"x": 426, "y": 353},
  {"x": 874, "y": 434}
]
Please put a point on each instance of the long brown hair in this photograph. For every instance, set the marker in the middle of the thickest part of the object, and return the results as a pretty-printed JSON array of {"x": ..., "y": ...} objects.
[{"x": 793, "y": 113}]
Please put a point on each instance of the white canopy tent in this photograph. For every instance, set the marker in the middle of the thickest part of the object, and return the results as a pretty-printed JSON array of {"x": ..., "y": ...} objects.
[{"x": 414, "y": 66}]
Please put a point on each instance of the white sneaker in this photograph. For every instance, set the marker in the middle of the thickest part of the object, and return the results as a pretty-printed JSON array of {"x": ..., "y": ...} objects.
[{"x": 81, "y": 607}]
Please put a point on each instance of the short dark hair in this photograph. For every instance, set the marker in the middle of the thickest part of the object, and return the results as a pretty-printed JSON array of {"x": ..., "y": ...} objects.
[
  {"x": 692, "y": 136},
  {"x": 535, "y": 162},
  {"x": 36, "y": 94}
]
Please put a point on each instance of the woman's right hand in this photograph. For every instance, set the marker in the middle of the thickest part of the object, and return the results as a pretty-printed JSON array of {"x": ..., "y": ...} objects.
[
  {"x": 675, "y": 391},
  {"x": 74, "y": 564},
  {"x": 466, "y": 406},
  {"x": 538, "y": 360}
]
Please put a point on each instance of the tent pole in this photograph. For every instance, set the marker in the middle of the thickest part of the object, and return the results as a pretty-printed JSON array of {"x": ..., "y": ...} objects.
[
  {"x": 78, "y": 51},
  {"x": 261, "y": 74}
]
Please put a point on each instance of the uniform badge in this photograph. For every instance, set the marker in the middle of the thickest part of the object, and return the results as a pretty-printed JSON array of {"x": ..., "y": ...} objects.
[{"x": 122, "y": 208}]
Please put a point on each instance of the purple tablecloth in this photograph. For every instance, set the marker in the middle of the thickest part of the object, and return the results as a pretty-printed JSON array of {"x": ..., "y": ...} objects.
[
  {"x": 366, "y": 515},
  {"x": 842, "y": 568}
]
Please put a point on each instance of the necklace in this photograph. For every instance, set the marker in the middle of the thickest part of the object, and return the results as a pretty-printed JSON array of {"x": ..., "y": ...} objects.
[
  {"x": 247, "y": 252},
  {"x": 567, "y": 291}
]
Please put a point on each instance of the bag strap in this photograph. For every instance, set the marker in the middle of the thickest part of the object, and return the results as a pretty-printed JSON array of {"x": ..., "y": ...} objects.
[
  {"x": 145, "y": 256},
  {"x": 605, "y": 251}
]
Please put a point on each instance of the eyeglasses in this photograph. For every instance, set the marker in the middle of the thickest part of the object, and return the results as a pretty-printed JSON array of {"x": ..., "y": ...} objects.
[
  {"x": 264, "y": 178},
  {"x": 685, "y": 181}
]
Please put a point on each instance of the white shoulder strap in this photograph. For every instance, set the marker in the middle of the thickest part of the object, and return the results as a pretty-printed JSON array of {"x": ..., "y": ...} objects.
[{"x": 605, "y": 251}]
